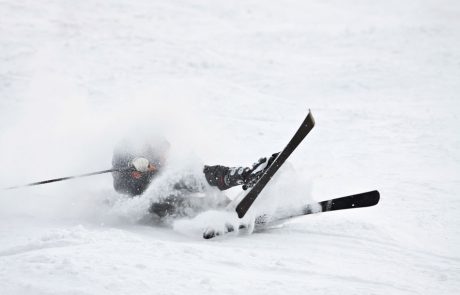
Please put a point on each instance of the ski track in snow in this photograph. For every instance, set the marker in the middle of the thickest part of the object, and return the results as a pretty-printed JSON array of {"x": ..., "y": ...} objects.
[{"x": 232, "y": 81}]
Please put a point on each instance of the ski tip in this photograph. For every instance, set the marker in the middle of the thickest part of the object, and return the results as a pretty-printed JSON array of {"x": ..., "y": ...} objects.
[
  {"x": 310, "y": 118},
  {"x": 209, "y": 234}
]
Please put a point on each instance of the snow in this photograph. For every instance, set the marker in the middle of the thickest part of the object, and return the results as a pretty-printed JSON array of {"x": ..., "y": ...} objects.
[{"x": 230, "y": 81}]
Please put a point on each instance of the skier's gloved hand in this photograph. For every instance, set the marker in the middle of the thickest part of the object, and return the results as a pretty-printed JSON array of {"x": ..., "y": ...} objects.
[{"x": 141, "y": 164}]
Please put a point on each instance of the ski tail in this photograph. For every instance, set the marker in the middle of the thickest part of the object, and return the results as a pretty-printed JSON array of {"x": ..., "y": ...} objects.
[{"x": 366, "y": 199}]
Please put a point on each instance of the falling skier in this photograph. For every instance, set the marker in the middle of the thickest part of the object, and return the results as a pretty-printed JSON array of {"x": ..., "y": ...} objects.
[
  {"x": 135, "y": 167},
  {"x": 148, "y": 161}
]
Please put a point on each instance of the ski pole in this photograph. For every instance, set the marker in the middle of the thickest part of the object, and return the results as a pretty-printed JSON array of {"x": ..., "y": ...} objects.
[{"x": 67, "y": 178}]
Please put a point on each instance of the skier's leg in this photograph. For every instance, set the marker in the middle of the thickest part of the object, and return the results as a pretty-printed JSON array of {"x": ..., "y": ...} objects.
[
  {"x": 226, "y": 177},
  {"x": 167, "y": 207}
]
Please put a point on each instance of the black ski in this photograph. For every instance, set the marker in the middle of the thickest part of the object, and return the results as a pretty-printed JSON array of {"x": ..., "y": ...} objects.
[
  {"x": 362, "y": 200},
  {"x": 303, "y": 130}
]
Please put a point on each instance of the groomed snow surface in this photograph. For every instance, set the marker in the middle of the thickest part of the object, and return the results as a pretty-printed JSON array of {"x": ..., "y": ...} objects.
[{"x": 229, "y": 82}]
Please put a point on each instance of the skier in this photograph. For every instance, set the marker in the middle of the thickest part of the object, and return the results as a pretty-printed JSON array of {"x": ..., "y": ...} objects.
[{"x": 147, "y": 161}]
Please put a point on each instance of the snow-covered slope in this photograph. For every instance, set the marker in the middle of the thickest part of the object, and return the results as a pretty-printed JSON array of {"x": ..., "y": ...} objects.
[{"x": 229, "y": 81}]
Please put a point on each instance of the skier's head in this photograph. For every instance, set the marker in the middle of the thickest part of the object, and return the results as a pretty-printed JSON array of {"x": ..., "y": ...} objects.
[{"x": 136, "y": 182}]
